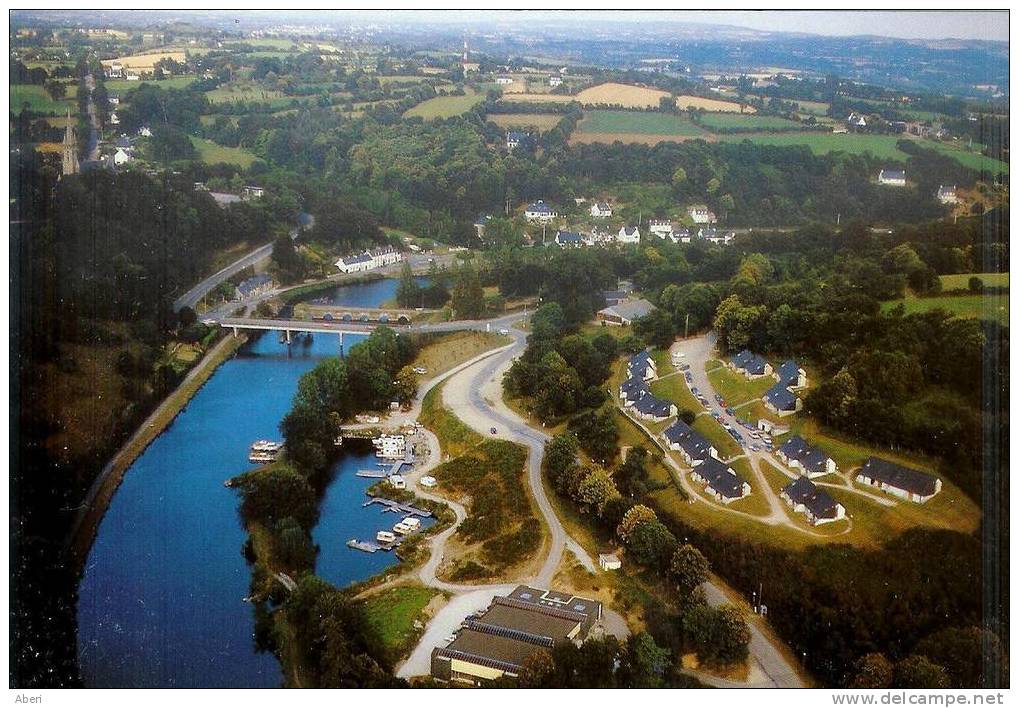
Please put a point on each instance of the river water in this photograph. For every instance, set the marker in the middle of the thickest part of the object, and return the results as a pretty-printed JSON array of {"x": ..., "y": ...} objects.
[{"x": 160, "y": 601}]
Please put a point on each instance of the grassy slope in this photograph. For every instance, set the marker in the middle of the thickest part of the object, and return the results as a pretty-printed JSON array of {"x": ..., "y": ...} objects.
[
  {"x": 737, "y": 389},
  {"x": 743, "y": 121},
  {"x": 444, "y": 106},
  {"x": 969, "y": 306},
  {"x": 637, "y": 122},
  {"x": 390, "y": 615},
  {"x": 38, "y": 100},
  {"x": 213, "y": 153},
  {"x": 961, "y": 280}
]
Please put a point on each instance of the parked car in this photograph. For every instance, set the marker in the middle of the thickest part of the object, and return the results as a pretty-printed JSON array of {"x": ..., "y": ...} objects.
[
  {"x": 730, "y": 411},
  {"x": 755, "y": 447},
  {"x": 503, "y": 332},
  {"x": 716, "y": 415},
  {"x": 494, "y": 431},
  {"x": 718, "y": 398},
  {"x": 694, "y": 390},
  {"x": 689, "y": 378}
]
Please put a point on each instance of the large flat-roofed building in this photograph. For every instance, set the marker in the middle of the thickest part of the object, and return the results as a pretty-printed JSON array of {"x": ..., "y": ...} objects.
[{"x": 498, "y": 640}]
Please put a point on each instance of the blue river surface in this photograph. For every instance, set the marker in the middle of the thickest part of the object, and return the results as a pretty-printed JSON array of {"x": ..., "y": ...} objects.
[
  {"x": 160, "y": 601},
  {"x": 370, "y": 294}
]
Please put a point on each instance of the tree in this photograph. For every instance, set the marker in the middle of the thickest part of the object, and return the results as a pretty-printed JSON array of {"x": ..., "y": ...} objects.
[
  {"x": 644, "y": 663},
  {"x": 597, "y": 433},
  {"x": 278, "y": 492},
  {"x": 169, "y": 143},
  {"x": 405, "y": 386},
  {"x": 971, "y": 655},
  {"x": 408, "y": 292},
  {"x": 651, "y": 543},
  {"x": 976, "y": 285},
  {"x": 468, "y": 301},
  {"x": 632, "y": 519},
  {"x": 679, "y": 177},
  {"x": 56, "y": 89},
  {"x": 596, "y": 490},
  {"x": 920, "y": 672},
  {"x": 537, "y": 670},
  {"x": 733, "y": 635},
  {"x": 290, "y": 267},
  {"x": 872, "y": 671},
  {"x": 688, "y": 568},
  {"x": 186, "y": 317}
]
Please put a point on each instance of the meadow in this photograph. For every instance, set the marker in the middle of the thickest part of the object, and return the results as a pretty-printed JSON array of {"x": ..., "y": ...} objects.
[
  {"x": 994, "y": 307},
  {"x": 624, "y": 95},
  {"x": 444, "y": 106},
  {"x": 638, "y": 122},
  {"x": 744, "y": 122},
  {"x": 538, "y": 121},
  {"x": 38, "y": 100},
  {"x": 960, "y": 281},
  {"x": 214, "y": 153}
]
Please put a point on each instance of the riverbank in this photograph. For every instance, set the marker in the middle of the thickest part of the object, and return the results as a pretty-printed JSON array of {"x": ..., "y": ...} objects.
[{"x": 86, "y": 524}]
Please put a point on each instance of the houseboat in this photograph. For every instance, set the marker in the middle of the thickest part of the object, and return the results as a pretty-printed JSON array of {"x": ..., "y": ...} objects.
[
  {"x": 385, "y": 537},
  {"x": 264, "y": 451}
]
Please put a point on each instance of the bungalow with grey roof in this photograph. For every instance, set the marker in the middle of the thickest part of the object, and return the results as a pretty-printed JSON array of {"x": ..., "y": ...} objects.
[
  {"x": 893, "y": 178},
  {"x": 899, "y": 481},
  {"x": 569, "y": 239},
  {"x": 632, "y": 389},
  {"x": 642, "y": 366},
  {"x": 650, "y": 407},
  {"x": 625, "y": 313},
  {"x": 781, "y": 400},
  {"x": 720, "y": 481},
  {"x": 601, "y": 210},
  {"x": 751, "y": 365},
  {"x": 797, "y": 453},
  {"x": 804, "y": 497},
  {"x": 791, "y": 375},
  {"x": 693, "y": 446}
]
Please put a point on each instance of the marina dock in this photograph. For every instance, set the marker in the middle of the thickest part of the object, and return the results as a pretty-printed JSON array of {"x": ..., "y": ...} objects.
[
  {"x": 372, "y": 546},
  {"x": 398, "y": 507},
  {"x": 372, "y": 474}
]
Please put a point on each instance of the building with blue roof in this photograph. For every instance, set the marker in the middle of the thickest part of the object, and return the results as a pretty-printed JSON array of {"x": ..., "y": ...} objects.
[
  {"x": 693, "y": 446},
  {"x": 751, "y": 365},
  {"x": 804, "y": 497},
  {"x": 779, "y": 399},
  {"x": 720, "y": 481},
  {"x": 650, "y": 407},
  {"x": 812, "y": 461},
  {"x": 791, "y": 374}
]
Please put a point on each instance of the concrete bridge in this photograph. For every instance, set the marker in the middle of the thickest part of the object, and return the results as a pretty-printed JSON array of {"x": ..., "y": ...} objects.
[{"x": 362, "y": 315}]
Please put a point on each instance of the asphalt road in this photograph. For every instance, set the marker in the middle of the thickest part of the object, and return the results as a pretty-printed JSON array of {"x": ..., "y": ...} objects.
[{"x": 192, "y": 296}]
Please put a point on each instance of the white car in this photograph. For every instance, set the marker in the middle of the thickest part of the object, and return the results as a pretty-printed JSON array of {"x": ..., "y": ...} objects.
[
  {"x": 504, "y": 332},
  {"x": 420, "y": 370},
  {"x": 428, "y": 481}
]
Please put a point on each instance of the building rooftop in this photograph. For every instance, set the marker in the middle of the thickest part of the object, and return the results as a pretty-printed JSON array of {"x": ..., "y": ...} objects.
[
  {"x": 816, "y": 500},
  {"x": 900, "y": 477},
  {"x": 812, "y": 459},
  {"x": 781, "y": 397},
  {"x": 630, "y": 309},
  {"x": 788, "y": 372},
  {"x": 721, "y": 478}
]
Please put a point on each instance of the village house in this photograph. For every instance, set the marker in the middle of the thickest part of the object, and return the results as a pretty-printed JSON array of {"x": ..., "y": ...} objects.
[
  {"x": 892, "y": 178},
  {"x": 609, "y": 561},
  {"x": 569, "y": 239},
  {"x": 720, "y": 481},
  {"x": 650, "y": 407},
  {"x": 804, "y": 497},
  {"x": 515, "y": 138},
  {"x": 626, "y": 312},
  {"x": 539, "y": 211},
  {"x": 947, "y": 195},
  {"x": 252, "y": 192},
  {"x": 856, "y": 120},
  {"x": 628, "y": 234},
  {"x": 369, "y": 260},
  {"x": 479, "y": 225},
  {"x": 114, "y": 118},
  {"x": 145, "y": 132},
  {"x": 711, "y": 235},
  {"x": 120, "y": 157},
  {"x": 693, "y": 446},
  {"x": 601, "y": 210},
  {"x": 504, "y": 80},
  {"x": 798, "y": 454},
  {"x": 633, "y": 389},
  {"x": 791, "y": 375},
  {"x": 752, "y": 366},
  {"x": 253, "y": 287},
  {"x": 779, "y": 399},
  {"x": 702, "y": 215},
  {"x": 555, "y": 80},
  {"x": 899, "y": 481},
  {"x": 661, "y": 228},
  {"x": 681, "y": 235},
  {"x": 613, "y": 297}
]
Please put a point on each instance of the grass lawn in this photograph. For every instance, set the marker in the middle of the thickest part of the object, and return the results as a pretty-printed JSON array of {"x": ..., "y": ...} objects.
[
  {"x": 675, "y": 389},
  {"x": 961, "y": 280},
  {"x": 540, "y": 121},
  {"x": 445, "y": 106},
  {"x": 390, "y": 615},
  {"x": 446, "y": 351},
  {"x": 454, "y": 435},
  {"x": 747, "y": 122},
  {"x": 214, "y": 153},
  {"x": 593, "y": 329},
  {"x": 993, "y": 307},
  {"x": 756, "y": 504},
  {"x": 714, "y": 432},
  {"x": 737, "y": 389},
  {"x": 38, "y": 100},
  {"x": 638, "y": 122}
]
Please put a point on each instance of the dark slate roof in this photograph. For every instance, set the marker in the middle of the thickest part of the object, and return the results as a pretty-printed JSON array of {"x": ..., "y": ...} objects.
[
  {"x": 123, "y": 142},
  {"x": 750, "y": 362},
  {"x": 781, "y": 397},
  {"x": 632, "y": 385},
  {"x": 358, "y": 258},
  {"x": 254, "y": 282},
  {"x": 811, "y": 458},
  {"x": 893, "y": 174},
  {"x": 818, "y": 501},
  {"x": 515, "y": 136},
  {"x": 788, "y": 372},
  {"x": 629, "y": 230},
  {"x": 613, "y": 296},
  {"x": 653, "y": 405},
  {"x": 602, "y": 206},
  {"x": 540, "y": 207},
  {"x": 693, "y": 443},
  {"x": 482, "y": 220},
  {"x": 568, "y": 237},
  {"x": 900, "y": 477},
  {"x": 721, "y": 478},
  {"x": 630, "y": 309}
]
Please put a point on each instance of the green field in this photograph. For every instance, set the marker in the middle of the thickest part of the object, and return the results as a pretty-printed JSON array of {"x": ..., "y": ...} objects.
[
  {"x": 816, "y": 108},
  {"x": 213, "y": 153},
  {"x": 993, "y": 307},
  {"x": 38, "y": 100},
  {"x": 444, "y": 106},
  {"x": 880, "y": 146},
  {"x": 177, "y": 82},
  {"x": 643, "y": 123},
  {"x": 714, "y": 432},
  {"x": 747, "y": 122},
  {"x": 390, "y": 615},
  {"x": 961, "y": 280},
  {"x": 736, "y": 389}
]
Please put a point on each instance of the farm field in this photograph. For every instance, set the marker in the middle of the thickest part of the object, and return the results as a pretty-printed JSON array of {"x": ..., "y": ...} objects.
[
  {"x": 624, "y": 95},
  {"x": 213, "y": 153},
  {"x": 638, "y": 122},
  {"x": 711, "y": 104},
  {"x": 538, "y": 98},
  {"x": 176, "y": 82},
  {"x": 145, "y": 62},
  {"x": 961, "y": 280},
  {"x": 242, "y": 92},
  {"x": 540, "y": 121},
  {"x": 38, "y": 100},
  {"x": 817, "y": 108},
  {"x": 745, "y": 122},
  {"x": 386, "y": 80},
  {"x": 444, "y": 106},
  {"x": 968, "y": 306}
]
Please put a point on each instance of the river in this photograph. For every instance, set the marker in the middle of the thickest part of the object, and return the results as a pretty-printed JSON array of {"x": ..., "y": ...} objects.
[{"x": 160, "y": 601}]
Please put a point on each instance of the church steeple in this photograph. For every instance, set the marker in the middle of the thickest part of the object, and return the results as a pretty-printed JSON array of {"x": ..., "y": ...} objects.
[{"x": 70, "y": 149}]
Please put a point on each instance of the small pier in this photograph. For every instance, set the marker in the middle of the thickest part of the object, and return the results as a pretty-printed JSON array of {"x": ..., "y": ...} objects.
[
  {"x": 398, "y": 507},
  {"x": 372, "y": 474},
  {"x": 372, "y": 546}
]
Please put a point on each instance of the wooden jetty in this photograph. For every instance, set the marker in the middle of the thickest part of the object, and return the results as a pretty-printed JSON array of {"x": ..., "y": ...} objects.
[
  {"x": 372, "y": 474},
  {"x": 372, "y": 546},
  {"x": 398, "y": 507}
]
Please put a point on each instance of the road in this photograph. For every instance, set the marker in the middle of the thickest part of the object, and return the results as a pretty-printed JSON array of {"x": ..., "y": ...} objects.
[{"x": 192, "y": 296}]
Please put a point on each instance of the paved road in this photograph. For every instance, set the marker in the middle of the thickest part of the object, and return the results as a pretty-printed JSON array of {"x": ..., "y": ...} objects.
[{"x": 192, "y": 296}]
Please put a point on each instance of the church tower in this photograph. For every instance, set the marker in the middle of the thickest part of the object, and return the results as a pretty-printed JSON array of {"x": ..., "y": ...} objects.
[{"x": 70, "y": 149}]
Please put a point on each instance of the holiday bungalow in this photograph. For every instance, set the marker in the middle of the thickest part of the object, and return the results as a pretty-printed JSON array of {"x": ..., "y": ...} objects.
[
  {"x": 812, "y": 462},
  {"x": 702, "y": 215},
  {"x": 751, "y": 365},
  {"x": 642, "y": 366},
  {"x": 649, "y": 407},
  {"x": 791, "y": 375},
  {"x": 781, "y": 400},
  {"x": 569, "y": 239},
  {"x": 626, "y": 312},
  {"x": 893, "y": 178},
  {"x": 899, "y": 481},
  {"x": 693, "y": 446},
  {"x": 720, "y": 481},
  {"x": 628, "y": 234},
  {"x": 601, "y": 210},
  {"x": 804, "y": 497}
]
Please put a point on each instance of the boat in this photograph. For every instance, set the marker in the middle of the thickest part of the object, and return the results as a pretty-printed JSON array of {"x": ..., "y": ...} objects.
[
  {"x": 412, "y": 523},
  {"x": 428, "y": 481},
  {"x": 402, "y": 529},
  {"x": 264, "y": 451},
  {"x": 385, "y": 537}
]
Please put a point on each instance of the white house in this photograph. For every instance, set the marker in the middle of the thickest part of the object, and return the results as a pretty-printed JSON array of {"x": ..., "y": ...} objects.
[
  {"x": 390, "y": 446},
  {"x": 539, "y": 211},
  {"x": 369, "y": 260},
  {"x": 681, "y": 236},
  {"x": 114, "y": 119},
  {"x": 812, "y": 462},
  {"x": 947, "y": 195},
  {"x": 503, "y": 80},
  {"x": 601, "y": 210},
  {"x": 720, "y": 481},
  {"x": 661, "y": 228},
  {"x": 719, "y": 238},
  {"x": 514, "y": 138},
  {"x": 804, "y": 497},
  {"x": 856, "y": 120},
  {"x": 899, "y": 481},
  {"x": 555, "y": 80},
  {"x": 702, "y": 215},
  {"x": 609, "y": 561},
  {"x": 628, "y": 234},
  {"x": 145, "y": 132},
  {"x": 893, "y": 178},
  {"x": 252, "y": 192},
  {"x": 121, "y": 157}
]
